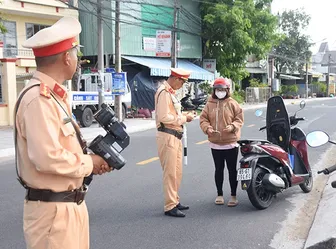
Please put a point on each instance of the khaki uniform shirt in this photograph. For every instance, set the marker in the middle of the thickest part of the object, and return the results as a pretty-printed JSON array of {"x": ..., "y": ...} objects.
[
  {"x": 49, "y": 154},
  {"x": 168, "y": 108}
]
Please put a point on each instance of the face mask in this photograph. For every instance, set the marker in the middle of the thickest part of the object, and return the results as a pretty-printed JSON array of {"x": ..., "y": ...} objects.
[{"x": 220, "y": 94}]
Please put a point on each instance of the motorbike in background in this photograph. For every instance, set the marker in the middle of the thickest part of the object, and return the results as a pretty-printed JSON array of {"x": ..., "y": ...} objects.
[
  {"x": 317, "y": 139},
  {"x": 189, "y": 104},
  {"x": 268, "y": 167}
]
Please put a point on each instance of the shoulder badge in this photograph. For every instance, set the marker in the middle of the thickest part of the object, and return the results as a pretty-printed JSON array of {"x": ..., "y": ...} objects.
[
  {"x": 171, "y": 90},
  {"x": 59, "y": 90},
  {"x": 45, "y": 91}
]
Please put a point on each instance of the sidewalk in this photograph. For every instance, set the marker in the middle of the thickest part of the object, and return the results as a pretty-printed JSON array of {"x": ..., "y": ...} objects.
[{"x": 132, "y": 126}]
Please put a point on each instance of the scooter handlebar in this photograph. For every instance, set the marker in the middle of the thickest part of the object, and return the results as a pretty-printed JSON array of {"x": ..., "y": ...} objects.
[
  {"x": 327, "y": 171},
  {"x": 262, "y": 128},
  {"x": 295, "y": 121}
]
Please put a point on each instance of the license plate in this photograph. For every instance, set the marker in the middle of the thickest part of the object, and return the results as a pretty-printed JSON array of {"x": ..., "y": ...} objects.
[{"x": 244, "y": 174}]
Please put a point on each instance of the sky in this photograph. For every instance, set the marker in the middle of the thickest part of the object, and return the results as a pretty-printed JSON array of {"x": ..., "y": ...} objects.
[{"x": 323, "y": 18}]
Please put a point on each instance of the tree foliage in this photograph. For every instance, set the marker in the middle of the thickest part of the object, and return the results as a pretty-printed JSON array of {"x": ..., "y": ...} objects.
[
  {"x": 294, "y": 49},
  {"x": 3, "y": 29},
  {"x": 234, "y": 29},
  {"x": 2, "y": 26}
]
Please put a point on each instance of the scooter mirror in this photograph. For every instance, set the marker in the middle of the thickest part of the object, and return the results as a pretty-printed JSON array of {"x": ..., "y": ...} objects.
[
  {"x": 258, "y": 113},
  {"x": 317, "y": 138},
  {"x": 302, "y": 104}
]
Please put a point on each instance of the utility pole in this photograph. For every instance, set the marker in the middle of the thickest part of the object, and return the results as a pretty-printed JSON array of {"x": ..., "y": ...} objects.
[
  {"x": 328, "y": 76},
  {"x": 117, "y": 102},
  {"x": 174, "y": 38},
  {"x": 270, "y": 72},
  {"x": 174, "y": 65},
  {"x": 307, "y": 79},
  {"x": 100, "y": 54}
]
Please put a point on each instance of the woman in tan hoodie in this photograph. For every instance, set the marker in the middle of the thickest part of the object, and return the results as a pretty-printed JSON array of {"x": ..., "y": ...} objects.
[{"x": 222, "y": 119}]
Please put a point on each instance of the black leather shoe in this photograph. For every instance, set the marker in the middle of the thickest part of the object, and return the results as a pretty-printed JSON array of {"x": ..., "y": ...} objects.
[
  {"x": 175, "y": 213},
  {"x": 181, "y": 207}
]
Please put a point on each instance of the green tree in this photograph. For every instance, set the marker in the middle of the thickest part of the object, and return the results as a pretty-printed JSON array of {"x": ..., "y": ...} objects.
[
  {"x": 256, "y": 83},
  {"x": 234, "y": 29},
  {"x": 294, "y": 48},
  {"x": 2, "y": 26}
]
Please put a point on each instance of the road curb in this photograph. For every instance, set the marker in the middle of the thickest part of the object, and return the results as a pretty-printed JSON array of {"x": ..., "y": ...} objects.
[{"x": 322, "y": 232}]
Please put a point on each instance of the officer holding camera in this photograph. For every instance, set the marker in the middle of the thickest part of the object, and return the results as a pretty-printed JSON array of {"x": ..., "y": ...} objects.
[
  {"x": 51, "y": 164},
  {"x": 169, "y": 121}
]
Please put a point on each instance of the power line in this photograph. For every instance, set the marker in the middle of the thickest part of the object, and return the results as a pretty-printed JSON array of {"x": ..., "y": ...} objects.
[
  {"x": 192, "y": 14},
  {"x": 132, "y": 2},
  {"x": 189, "y": 17},
  {"x": 159, "y": 23},
  {"x": 287, "y": 58},
  {"x": 107, "y": 17},
  {"x": 201, "y": 1},
  {"x": 294, "y": 59}
]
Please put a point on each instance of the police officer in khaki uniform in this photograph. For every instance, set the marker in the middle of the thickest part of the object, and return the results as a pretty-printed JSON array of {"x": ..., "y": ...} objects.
[
  {"x": 169, "y": 121},
  {"x": 50, "y": 159}
]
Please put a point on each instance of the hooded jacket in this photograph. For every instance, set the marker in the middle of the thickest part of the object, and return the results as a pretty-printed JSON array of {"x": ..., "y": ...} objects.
[{"x": 218, "y": 114}]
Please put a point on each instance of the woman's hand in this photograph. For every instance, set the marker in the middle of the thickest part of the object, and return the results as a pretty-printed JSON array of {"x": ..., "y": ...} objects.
[
  {"x": 210, "y": 131},
  {"x": 229, "y": 128}
]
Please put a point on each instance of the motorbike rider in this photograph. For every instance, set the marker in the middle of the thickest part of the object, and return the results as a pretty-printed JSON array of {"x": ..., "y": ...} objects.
[{"x": 222, "y": 119}]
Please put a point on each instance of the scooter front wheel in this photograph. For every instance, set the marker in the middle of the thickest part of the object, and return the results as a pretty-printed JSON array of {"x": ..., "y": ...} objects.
[
  {"x": 307, "y": 186},
  {"x": 260, "y": 197}
]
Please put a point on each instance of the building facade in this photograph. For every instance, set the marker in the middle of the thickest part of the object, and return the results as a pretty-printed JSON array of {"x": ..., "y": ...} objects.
[
  {"x": 139, "y": 22},
  {"x": 22, "y": 20}
]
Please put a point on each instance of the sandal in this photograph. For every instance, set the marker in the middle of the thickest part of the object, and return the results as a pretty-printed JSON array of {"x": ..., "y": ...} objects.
[
  {"x": 233, "y": 203},
  {"x": 219, "y": 200}
]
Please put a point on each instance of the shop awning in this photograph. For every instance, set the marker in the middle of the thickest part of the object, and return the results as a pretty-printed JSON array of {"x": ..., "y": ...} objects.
[
  {"x": 289, "y": 77},
  {"x": 161, "y": 67},
  {"x": 315, "y": 74},
  {"x": 256, "y": 70}
]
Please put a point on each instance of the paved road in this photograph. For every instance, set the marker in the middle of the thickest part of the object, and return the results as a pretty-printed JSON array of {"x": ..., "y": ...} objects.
[{"x": 126, "y": 206}]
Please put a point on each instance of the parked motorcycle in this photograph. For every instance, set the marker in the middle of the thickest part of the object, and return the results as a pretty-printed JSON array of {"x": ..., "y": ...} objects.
[
  {"x": 268, "y": 167},
  {"x": 189, "y": 104},
  {"x": 317, "y": 139}
]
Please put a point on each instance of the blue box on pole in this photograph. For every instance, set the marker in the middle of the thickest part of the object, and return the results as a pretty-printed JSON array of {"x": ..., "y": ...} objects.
[
  {"x": 109, "y": 70},
  {"x": 119, "y": 83}
]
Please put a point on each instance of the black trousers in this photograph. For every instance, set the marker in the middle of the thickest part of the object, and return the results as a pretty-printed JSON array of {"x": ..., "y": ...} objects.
[{"x": 230, "y": 157}]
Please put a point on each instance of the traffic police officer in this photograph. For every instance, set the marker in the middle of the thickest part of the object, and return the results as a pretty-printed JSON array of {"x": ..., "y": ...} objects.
[
  {"x": 169, "y": 121},
  {"x": 50, "y": 159}
]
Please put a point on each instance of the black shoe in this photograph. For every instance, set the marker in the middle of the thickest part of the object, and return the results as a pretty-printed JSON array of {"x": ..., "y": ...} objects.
[
  {"x": 175, "y": 213},
  {"x": 181, "y": 207}
]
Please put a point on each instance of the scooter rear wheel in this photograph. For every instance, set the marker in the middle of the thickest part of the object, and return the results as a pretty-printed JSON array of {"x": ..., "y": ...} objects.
[{"x": 258, "y": 195}]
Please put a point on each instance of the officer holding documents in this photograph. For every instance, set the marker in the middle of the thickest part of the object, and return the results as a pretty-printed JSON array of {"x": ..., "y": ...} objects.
[
  {"x": 169, "y": 122},
  {"x": 51, "y": 164}
]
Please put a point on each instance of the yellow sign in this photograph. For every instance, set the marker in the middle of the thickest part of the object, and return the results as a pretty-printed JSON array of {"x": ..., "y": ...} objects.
[{"x": 244, "y": 185}]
